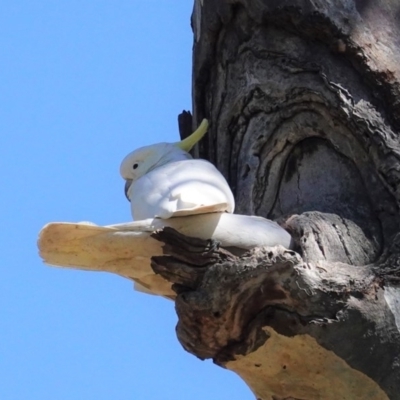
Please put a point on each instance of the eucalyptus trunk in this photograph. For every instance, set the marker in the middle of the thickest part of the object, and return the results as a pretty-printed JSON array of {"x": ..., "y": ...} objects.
[{"x": 303, "y": 100}]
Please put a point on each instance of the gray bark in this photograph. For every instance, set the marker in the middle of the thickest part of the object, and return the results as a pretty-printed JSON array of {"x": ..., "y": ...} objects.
[{"x": 303, "y": 99}]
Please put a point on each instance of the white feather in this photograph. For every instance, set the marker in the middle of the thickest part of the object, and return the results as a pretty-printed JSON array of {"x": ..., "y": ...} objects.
[
  {"x": 165, "y": 181},
  {"x": 185, "y": 185}
]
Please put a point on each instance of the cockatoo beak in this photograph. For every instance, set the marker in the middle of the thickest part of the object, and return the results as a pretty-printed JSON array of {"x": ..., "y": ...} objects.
[
  {"x": 128, "y": 184},
  {"x": 188, "y": 143}
]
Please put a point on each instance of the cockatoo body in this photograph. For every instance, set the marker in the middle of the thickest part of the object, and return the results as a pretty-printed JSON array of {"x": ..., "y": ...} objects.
[
  {"x": 179, "y": 188},
  {"x": 163, "y": 180}
]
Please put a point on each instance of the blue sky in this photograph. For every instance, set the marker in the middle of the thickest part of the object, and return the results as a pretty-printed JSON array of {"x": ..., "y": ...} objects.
[{"x": 82, "y": 84}]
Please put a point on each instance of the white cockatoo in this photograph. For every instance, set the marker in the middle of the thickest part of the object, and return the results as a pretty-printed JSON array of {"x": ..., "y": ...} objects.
[{"x": 163, "y": 180}]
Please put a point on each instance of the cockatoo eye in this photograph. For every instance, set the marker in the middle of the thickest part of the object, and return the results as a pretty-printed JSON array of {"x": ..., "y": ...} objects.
[{"x": 135, "y": 166}]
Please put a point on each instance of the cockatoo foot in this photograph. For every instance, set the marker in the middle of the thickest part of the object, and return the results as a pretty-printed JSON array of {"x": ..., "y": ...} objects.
[{"x": 213, "y": 245}]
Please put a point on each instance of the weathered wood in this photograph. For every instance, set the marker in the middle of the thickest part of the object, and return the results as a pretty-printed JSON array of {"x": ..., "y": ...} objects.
[
  {"x": 226, "y": 302},
  {"x": 331, "y": 237},
  {"x": 126, "y": 249},
  {"x": 303, "y": 98}
]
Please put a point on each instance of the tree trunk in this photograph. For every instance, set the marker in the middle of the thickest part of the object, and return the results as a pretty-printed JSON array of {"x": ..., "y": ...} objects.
[{"x": 303, "y": 99}]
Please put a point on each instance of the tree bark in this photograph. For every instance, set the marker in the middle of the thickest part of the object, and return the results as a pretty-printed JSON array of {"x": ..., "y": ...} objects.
[{"x": 303, "y": 99}]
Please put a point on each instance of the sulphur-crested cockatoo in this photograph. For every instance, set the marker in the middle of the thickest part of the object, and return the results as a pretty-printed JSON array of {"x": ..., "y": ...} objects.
[{"x": 163, "y": 180}]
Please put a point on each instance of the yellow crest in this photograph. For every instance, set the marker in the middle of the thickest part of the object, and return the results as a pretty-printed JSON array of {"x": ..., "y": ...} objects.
[{"x": 188, "y": 143}]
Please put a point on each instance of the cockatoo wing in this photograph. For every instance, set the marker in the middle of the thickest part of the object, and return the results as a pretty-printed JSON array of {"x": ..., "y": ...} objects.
[
  {"x": 215, "y": 208},
  {"x": 126, "y": 249},
  {"x": 181, "y": 188}
]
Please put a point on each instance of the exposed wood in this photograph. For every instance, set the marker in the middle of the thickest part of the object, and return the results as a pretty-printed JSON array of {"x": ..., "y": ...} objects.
[
  {"x": 126, "y": 249},
  {"x": 96, "y": 248}
]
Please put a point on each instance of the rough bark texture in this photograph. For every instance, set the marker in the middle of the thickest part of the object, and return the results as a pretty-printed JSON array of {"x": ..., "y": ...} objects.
[
  {"x": 335, "y": 317},
  {"x": 303, "y": 98}
]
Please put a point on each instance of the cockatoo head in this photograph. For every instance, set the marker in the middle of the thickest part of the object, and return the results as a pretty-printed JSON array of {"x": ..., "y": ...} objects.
[{"x": 143, "y": 160}]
